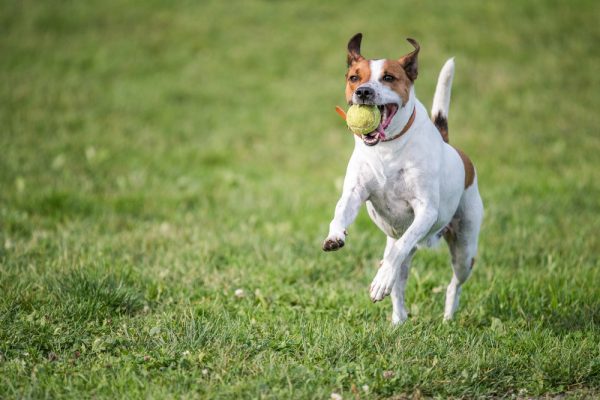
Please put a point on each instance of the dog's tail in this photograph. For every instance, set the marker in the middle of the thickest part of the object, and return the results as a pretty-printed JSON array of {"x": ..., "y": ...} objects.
[{"x": 441, "y": 99}]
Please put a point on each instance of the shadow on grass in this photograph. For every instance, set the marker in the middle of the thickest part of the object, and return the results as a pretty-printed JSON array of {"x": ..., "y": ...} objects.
[
  {"x": 65, "y": 311},
  {"x": 582, "y": 318},
  {"x": 569, "y": 314},
  {"x": 86, "y": 296}
]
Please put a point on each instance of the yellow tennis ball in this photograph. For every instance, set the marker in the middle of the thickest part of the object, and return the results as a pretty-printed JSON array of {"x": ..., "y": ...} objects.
[{"x": 363, "y": 119}]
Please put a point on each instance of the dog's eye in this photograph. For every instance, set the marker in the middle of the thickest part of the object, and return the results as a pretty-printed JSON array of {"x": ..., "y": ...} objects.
[
  {"x": 388, "y": 78},
  {"x": 353, "y": 78}
]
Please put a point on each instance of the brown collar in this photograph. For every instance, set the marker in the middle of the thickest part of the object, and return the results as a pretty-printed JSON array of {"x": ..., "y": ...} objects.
[{"x": 406, "y": 127}]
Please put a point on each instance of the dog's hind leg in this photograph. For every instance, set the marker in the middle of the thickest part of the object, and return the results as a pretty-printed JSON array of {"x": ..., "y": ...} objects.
[{"x": 462, "y": 235}]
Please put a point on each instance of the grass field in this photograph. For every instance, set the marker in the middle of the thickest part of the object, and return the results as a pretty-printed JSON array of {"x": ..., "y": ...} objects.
[{"x": 158, "y": 156}]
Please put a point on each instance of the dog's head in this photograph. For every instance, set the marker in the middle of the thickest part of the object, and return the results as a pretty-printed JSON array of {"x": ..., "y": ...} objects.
[{"x": 384, "y": 83}]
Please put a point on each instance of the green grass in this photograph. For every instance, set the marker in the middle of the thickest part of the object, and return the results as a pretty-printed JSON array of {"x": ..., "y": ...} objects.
[{"x": 158, "y": 156}]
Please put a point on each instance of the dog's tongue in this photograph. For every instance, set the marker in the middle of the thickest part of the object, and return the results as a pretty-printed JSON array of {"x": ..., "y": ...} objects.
[{"x": 381, "y": 131}]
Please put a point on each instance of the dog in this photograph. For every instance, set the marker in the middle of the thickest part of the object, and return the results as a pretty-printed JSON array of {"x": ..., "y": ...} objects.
[{"x": 416, "y": 186}]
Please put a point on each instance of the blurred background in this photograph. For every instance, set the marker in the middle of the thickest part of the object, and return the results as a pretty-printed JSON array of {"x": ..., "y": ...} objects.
[
  {"x": 117, "y": 114},
  {"x": 191, "y": 148}
]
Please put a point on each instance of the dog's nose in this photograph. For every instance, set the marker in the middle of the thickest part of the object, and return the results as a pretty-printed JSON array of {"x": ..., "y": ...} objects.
[{"x": 365, "y": 93}]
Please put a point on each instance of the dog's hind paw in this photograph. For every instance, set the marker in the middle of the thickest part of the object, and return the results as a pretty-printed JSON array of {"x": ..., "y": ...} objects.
[
  {"x": 399, "y": 317},
  {"x": 333, "y": 243}
]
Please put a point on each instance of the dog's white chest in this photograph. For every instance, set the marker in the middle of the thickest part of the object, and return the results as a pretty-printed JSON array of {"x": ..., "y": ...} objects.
[{"x": 388, "y": 205}]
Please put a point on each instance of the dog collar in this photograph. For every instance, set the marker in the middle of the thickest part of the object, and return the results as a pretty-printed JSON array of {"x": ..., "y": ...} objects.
[{"x": 406, "y": 127}]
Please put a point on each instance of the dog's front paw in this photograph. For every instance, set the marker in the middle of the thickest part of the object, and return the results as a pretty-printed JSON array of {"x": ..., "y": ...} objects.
[
  {"x": 333, "y": 242},
  {"x": 383, "y": 282}
]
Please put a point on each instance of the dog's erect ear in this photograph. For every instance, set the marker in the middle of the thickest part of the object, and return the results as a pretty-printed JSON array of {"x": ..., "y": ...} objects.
[
  {"x": 354, "y": 49},
  {"x": 410, "y": 61}
]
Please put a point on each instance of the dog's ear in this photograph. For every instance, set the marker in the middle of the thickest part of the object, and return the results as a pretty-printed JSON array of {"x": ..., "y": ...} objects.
[
  {"x": 354, "y": 49},
  {"x": 410, "y": 61}
]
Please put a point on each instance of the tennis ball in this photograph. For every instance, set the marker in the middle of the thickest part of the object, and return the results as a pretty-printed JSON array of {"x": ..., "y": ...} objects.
[{"x": 363, "y": 119}]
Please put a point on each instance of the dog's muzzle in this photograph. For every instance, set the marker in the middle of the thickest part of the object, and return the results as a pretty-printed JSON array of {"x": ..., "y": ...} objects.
[{"x": 387, "y": 111}]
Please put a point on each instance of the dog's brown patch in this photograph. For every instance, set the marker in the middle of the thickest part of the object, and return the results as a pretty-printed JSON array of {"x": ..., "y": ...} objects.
[
  {"x": 401, "y": 83},
  {"x": 441, "y": 123},
  {"x": 469, "y": 168},
  {"x": 360, "y": 69}
]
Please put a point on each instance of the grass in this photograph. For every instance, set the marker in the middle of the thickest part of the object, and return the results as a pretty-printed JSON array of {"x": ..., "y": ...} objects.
[{"x": 159, "y": 156}]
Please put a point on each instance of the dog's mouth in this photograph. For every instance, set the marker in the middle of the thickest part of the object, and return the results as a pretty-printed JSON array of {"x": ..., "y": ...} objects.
[{"x": 388, "y": 111}]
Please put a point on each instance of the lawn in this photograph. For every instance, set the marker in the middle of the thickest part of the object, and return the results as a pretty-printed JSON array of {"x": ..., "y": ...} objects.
[{"x": 169, "y": 171}]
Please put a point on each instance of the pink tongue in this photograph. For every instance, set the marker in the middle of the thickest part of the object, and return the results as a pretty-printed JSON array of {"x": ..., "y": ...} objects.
[{"x": 381, "y": 131}]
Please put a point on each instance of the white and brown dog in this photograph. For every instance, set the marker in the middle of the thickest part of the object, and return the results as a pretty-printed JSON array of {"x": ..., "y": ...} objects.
[{"x": 417, "y": 187}]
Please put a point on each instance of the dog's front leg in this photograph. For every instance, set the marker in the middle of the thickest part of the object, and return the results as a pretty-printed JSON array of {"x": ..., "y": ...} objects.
[
  {"x": 354, "y": 194},
  {"x": 425, "y": 217},
  {"x": 346, "y": 211}
]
